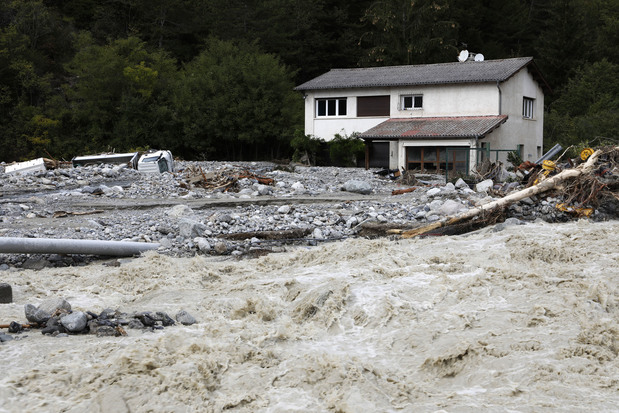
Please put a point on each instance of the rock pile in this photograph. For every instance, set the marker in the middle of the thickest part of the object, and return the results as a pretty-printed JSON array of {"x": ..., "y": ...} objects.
[{"x": 55, "y": 317}]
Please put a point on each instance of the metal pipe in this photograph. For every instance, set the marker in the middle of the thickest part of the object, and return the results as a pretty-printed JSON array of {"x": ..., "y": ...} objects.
[
  {"x": 498, "y": 86},
  {"x": 12, "y": 245},
  {"x": 552, "y": 152}
]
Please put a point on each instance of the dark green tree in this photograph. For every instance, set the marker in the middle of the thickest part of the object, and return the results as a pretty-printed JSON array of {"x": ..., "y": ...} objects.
[
  {"x": 120, "y": 95},
  {"x": 588, "y": 108},
  {"x": 232, "y": 98},
  {"x": 409, "y": 32}
]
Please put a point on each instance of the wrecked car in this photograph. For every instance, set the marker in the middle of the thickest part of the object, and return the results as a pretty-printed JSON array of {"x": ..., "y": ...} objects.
[{"x": 156, "y": 161}]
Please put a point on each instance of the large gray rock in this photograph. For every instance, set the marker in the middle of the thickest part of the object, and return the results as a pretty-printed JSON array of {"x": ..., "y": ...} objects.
[
  {"x": 484, "y": 186},
  {"x": 178, "y": 211},
  {"x": 433, "y": 191},
  {"x": 185, "y": 318},
  {"x": 6, "y": 293},
  {"x": 189, "y": 228},
  {"x": 357, "y": 186},
  {"x": 451, "y": 207},
  {"x": 51, "y": 305},
  {"x": 74, "y": 322},
  {"x": 35, "y": 315},
  {"x": 460, "y": 184}
]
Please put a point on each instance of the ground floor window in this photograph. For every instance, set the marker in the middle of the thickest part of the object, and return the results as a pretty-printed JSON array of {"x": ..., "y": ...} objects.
[{"x": 435, "y": 158}]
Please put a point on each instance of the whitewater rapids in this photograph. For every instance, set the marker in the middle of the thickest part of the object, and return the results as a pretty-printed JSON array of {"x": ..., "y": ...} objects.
[{"x": 521, "y": 320}]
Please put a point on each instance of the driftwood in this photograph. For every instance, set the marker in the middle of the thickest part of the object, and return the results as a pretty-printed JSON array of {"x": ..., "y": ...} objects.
[
  {"x": 403, "y": 191},
  {"x": 500, "y": 204},
  {"x": 268, "y": 235}
]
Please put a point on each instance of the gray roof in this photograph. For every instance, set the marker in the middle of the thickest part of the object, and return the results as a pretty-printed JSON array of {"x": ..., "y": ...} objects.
[
  {"x": 440, "y": 73},
  {"x": 435, "y": 128}
]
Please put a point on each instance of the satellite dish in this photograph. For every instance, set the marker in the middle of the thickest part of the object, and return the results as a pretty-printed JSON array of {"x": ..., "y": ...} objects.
[
  {"x": 463, "y": 55},
  {"x": 479, "y": 57}
]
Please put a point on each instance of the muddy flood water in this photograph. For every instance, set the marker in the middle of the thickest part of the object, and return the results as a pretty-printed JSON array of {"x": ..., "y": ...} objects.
[{"x": 521, "y": 320}]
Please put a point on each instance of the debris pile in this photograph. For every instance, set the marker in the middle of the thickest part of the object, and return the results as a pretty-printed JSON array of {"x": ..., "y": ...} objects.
[
  {"x": 223, "y": 180},
  {"x": 578, "y": 190}
]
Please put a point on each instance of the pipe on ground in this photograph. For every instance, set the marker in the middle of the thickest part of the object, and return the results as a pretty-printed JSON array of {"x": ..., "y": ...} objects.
[{"x": 73, "y": 246}]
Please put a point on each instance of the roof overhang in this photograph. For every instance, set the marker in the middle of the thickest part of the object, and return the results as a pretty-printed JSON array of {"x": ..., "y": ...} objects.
[{"x": 464, "y": 127}]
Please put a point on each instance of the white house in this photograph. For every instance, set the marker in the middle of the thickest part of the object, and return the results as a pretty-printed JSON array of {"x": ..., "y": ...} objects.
[{"x": 432, "y": 116}]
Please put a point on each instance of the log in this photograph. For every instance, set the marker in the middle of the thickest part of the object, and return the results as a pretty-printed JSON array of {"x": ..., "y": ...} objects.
[
  {"x": 403, "y": 191},
  {"x": 502, "y": 203}
]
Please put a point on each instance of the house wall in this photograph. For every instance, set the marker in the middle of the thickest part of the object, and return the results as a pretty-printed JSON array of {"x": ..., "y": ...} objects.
[
  {"x": 327, "y": 127},
  {"x": 448, "y": 100},
  {"x": 487, "y": 99},
  {"x": 438, "y": 100},
  {"x": 518, "y": 130}
]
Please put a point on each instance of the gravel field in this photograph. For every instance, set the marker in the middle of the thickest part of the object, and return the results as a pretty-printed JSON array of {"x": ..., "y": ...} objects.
[{"x": 184, "y": 217}]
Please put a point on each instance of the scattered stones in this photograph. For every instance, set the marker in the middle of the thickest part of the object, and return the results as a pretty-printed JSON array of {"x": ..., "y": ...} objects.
[
  {"x": 54, "y": 317},
  {"x": 173, "y": 212}
]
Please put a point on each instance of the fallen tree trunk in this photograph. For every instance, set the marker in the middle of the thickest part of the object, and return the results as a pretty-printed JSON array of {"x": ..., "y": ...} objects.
[
  {"x": 502, "y": 203},
  {"x": 268, "y": 235}
]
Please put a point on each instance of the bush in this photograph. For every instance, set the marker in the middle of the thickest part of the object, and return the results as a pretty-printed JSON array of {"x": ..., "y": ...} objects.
[
  {"x": 306, "y": 147},
  {"x": 346, "y": 150}
]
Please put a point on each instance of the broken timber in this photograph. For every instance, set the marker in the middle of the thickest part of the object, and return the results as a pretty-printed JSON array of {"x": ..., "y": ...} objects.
[{"x": 502, "y": 203}]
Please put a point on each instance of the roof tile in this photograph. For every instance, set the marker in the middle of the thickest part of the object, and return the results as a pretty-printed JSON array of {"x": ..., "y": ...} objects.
[
  {"x": 435, "y": 127},
  {"x": 432, "y": 74}
]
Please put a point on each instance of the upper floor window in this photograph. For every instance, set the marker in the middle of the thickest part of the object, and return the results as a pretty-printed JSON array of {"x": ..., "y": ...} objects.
[
  {"x": 331, "y": 107},
  {"x": 410, "y": 102},
  {"x": 527, "y": 107}
]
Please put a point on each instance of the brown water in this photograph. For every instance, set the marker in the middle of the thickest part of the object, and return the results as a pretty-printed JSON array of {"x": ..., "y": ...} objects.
[{"x": 523, "y": 320}]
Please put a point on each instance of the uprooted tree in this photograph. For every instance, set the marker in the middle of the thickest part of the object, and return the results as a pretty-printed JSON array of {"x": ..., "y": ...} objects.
[{"x": 582, "y": 183}]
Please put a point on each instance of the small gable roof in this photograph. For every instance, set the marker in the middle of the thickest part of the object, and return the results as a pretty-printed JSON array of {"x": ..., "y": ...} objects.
[
  {"x": 435, "y": 127},
  {"x": 411, "y": 75}
]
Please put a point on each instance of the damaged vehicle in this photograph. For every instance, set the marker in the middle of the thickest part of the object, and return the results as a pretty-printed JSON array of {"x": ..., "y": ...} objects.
[
  {"x": 107, "y": 158},
  {"x": 156, "y": 162}
]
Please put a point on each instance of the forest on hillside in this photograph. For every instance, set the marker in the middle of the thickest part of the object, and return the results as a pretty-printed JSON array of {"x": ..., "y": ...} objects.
[{"x": 214, "y": 79}]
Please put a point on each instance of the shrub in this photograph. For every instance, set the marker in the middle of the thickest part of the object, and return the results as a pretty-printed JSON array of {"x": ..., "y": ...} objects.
[{"x": 346, "y": 150}]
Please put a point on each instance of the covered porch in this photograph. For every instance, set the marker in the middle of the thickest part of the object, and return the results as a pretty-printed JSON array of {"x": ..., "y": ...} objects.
[{"x": 428, "y": 144}]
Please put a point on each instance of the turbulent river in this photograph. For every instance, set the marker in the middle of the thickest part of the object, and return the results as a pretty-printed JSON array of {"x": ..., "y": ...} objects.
[{"x": 520, "y": 320}]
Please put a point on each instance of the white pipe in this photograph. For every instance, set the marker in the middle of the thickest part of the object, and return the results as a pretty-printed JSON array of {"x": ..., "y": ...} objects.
[{"x": 73, "y": 246}]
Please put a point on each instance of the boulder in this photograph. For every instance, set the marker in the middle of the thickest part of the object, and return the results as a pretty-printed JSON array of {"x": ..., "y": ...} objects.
[
  {"x": 450, "y": 207},
  {"x": 74, "y": 322},
  {"x": 460, "y": 184},
  {"x": 189, "y": 228},
  {"x": 51, "y": 305},
  {"x": 284, "y": 209},
  {"x": 6, "y": 293},
  {"x": 185, "y": 318},
  {"x": 433, "y": 191},
  {"x": 484, "y": 186},
  {"x": 357, "y": 186},
  {"x": 178, "y": 211},
  {"x": 34, "y": 315}
]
